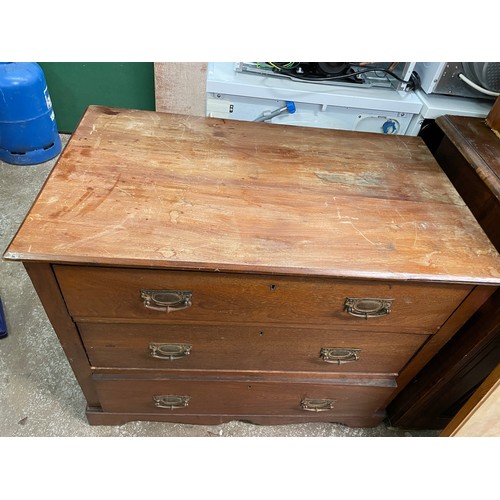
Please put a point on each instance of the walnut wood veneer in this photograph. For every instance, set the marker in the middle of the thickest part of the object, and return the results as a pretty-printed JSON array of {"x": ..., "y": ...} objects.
[{"x": 201, "y": 270}]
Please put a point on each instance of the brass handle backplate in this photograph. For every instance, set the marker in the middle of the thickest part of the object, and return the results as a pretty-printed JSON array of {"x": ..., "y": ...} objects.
[
  {"x": 317, "y": 404},
  {"x": 339, "y": 355},
  {"x": 171, "y": 402},
  {"x": 169, "y": 351},
  {"x": 367, "y": 307},
  {"x": 167, "y": 300}
]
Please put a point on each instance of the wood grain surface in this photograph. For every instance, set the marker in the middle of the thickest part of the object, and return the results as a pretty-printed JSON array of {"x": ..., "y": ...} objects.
[
  {"x": 250, "y": 348},
  {"x": 139, "y": 188},
  {"x": 98, "y": 293},
  {"x": 478, "y": 145},
  {"x": 219, "y": 396}
]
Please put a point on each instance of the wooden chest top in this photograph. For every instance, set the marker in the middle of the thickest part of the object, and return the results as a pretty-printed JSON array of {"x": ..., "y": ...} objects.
[{"x": 146, "y": 189}]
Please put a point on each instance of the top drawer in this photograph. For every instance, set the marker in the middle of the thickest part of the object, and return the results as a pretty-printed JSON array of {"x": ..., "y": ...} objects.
[{"x": 99, "y": 293}]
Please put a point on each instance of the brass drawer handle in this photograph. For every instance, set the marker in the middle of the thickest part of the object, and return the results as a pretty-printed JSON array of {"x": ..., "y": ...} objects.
[
  {"x": 317, "y": 404},
  {"x": 339, "y": 355},
  {"x": 169, "y": 351},
  {"x": 166, "y": 300},
  {"x": 367, "y": 307},
  {"x": 171, "y": 402}
]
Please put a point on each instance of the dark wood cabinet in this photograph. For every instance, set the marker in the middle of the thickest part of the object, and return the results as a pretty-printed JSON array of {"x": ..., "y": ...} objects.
[
  {"x": 201, "y": 270},
  {"x": 469, "y": 152}
]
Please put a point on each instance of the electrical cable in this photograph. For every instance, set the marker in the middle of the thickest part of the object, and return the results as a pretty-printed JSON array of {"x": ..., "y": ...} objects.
[
  {"x": 298, "y": 76},
  {"x": 288, "y": 65},
  {"x": 416, "y": 83},
  {"x": 477, "y": 87}
]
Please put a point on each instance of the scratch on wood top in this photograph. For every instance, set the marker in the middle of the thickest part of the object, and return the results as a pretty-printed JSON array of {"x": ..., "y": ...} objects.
[
  {"x": 171, "y": 193},
  {"x": 358, "y": 231}
]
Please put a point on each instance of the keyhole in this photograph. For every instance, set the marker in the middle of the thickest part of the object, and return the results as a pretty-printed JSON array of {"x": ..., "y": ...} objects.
[
  {"x": 261, "y": 334},
  {"x": 273, "y": 287}
]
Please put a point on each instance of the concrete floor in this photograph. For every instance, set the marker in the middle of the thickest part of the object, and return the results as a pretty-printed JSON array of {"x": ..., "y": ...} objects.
[{"x": 39, "y": 395}]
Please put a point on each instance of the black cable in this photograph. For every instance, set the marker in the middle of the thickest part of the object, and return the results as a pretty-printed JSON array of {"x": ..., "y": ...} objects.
[
  {"x": 415, "y": 81},
  {"x": 339, "y": 77}
]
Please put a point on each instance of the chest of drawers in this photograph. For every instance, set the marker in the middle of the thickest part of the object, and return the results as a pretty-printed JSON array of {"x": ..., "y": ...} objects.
[{"x": 199, "y": 270}]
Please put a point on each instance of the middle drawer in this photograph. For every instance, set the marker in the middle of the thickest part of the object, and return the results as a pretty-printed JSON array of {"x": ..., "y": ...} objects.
[{"x": 245, "y": 348}]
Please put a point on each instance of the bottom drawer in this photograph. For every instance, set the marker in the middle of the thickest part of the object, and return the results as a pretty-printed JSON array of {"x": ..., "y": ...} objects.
[{"x": 125, "y": 394}]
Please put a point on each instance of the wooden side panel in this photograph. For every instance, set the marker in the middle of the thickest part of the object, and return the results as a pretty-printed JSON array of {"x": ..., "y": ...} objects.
[
  {"x": 434, "y": 396},
  {"x": 46, "y": 286},
  {"x": 475, "y": 300}
]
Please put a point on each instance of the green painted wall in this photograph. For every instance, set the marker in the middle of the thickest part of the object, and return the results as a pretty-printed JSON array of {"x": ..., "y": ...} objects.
[{"x": 74, "y": 86}]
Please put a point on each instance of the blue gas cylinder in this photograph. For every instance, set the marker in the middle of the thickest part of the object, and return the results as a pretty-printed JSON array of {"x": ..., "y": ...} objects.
[{"x": 28, "y": 129}]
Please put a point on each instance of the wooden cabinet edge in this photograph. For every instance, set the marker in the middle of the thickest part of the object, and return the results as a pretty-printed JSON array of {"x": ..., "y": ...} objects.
[
  {"x": 478, "y": 296},
  {"x": 96, "y": 416},
  {"x": 47, "y": 288}
]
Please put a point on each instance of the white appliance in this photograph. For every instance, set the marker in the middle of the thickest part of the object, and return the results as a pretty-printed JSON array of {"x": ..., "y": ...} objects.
[
  {"x": 479, "y": 80},
  {"x": 435, "y": 105},
  {"x": 251, "y": 96},
  {"x": 247, "y": 96}
]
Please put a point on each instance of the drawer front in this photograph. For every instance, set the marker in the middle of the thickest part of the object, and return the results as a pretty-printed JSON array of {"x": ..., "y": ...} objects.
[
  {"x": 216, "y": 397},
  {"x": 237, "y": 348},
  {"x": 98, "y": 293}
]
